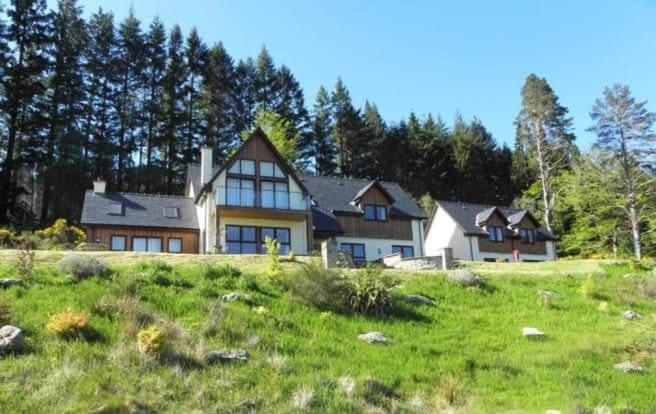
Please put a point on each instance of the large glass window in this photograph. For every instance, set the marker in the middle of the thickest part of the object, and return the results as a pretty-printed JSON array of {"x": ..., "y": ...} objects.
[
  {"x": 243, "y": 167},
  {"x": 282, "y": 235},
  {"x": 495, "y": 233},
  {"x": 374, "y": 212},
  {"x": 175, "y": 245},
  {"x": 147, "y": 244},
  {"x": 527, "y": 236},
  {"x": 119, "y": 243},
  {"x": 241, "y": 239},
  {"x": 406, "y": 251},
  {"x": 357, "y": 251},
  {"x": 266, "y": 168},
  {"x": 240, "y": 192},
  {"x": 274, "y": 194}
]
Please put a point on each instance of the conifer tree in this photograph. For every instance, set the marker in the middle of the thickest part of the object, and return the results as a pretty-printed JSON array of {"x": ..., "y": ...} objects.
[
  {"x": 325, "y": 148},
  {"x": 346, "y": 129},
  {"x": 244, "y": 94},
  {"x": 291, "y": 106},
  {"x": 267, "y": 82},
  {"x": 195, "y": 56},
  {"x": 372, "y": 138}
]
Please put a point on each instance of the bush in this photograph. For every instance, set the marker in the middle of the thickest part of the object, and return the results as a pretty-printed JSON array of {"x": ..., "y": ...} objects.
[
  {"x": 7, "y": 238},
  {"x": 63, "y": 235},
  {"x": 368, "y": 291},
  {"x": 590, "y": 288},
  {"x": 315, "y": 285},
  {"x": 218, "y": 272},
  {"x": 67, "y": 324},
  {"x": 25, "y": 263},
  {"x": 151, "y": 340},
  {"x": 291, "y": 257},
  {"x": 465, "y": 277},
  {"x": 5, "y": 313},
  {"x": 82, "y": 267},
  {"x": 273, "y": 271}
]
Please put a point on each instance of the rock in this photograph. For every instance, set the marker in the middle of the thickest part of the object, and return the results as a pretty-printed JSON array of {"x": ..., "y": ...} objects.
[
  {"x": 7, "y": 283},
  {"x": 234, "y": 296},
  {"x": 631, "y": 315},
  {"x": 629, "y": 367},
  {"x": 532, "y": 332},
  {"x": 372, "y": 337},
  {"x": 227, "y": 356},
  {"x": 547, "y": 294},
  {"x": 419, "y": 299},
  {"x": 11, "y": 339},
  {"x": 553, "y": 412}
]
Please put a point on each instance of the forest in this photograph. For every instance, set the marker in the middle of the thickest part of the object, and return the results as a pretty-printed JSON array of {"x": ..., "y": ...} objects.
[{"x": 132, "y": 102}]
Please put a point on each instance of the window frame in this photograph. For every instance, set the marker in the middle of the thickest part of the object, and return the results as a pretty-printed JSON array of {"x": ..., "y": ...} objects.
[
  {"x": 147, "y": 238},
  {"x": 241, "y": 240},
  {"x": 361, "y": 260},
  {"x": 377, "y": 208},
  {"x": 125, "y": 242},
  {"x": 168, "y": 245},
  {"x": 109, "y": 208},
  {"x": 402, "y": 248},
  {"x": 176, "y": 211},
  {"x": 499, "y": 237},
  {"x": 530, "y": 233},
  {"x": 240, "y": 192},
  {"x": 287, "y": 244},
  {"x": 241, "y": 170}
]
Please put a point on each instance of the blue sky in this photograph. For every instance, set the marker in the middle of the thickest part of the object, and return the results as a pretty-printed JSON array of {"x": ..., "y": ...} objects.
[{"x": 437, "y": 57}]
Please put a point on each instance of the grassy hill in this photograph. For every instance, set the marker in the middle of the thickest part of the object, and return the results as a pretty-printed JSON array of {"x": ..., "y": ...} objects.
[{"x": 465, "y": 354}]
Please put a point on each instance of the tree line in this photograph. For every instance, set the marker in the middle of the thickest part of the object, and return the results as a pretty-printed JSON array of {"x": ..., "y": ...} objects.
[{"x": 132, "y": 103}]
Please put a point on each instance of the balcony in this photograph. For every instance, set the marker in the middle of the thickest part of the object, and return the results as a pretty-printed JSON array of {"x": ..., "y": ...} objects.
[{"x": 267, "y": 199}]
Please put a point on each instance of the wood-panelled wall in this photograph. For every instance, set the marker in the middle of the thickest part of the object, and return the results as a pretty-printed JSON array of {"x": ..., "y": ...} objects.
[
  {"x": 508, "y": 244},
  {"x": 104, "y": 234},
  {"x": 393, "y": 228}
]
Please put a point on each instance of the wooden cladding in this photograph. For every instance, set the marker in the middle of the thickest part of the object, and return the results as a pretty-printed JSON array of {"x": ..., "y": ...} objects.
[
  {"x": 511, "y": 243},
  {"x": 394, "y": 228},
  {"x": 103, "y": 234}
]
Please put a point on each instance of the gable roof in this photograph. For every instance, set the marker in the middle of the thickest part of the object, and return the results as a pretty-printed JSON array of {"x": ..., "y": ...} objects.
[
  {"x": 467, "y": 215},
  {"x": 365, "y": 189},
  {"x": 256, "y": 134},
  {"x": 142, "y": 210},
  {"x": 334, "y": 195},
  {"x": 485, "y": 215},
  {"x": 193, "y": 176}
]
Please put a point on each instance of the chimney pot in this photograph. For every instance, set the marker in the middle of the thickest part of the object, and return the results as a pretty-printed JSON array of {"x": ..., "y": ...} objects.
[{"x": 99, "y": 186}]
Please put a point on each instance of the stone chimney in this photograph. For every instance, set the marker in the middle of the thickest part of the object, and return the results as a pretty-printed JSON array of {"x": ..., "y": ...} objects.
[
  {"x": 99, "y": 186},
  {"x": 205, "y": 165}
]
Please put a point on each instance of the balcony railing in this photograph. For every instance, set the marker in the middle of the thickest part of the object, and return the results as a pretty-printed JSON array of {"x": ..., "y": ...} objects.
[{"x": 246, "y": 197}]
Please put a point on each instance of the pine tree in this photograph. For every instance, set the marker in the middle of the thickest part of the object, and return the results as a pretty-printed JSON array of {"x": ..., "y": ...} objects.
[
  {"x": 372, "y": 138},
  {"x": 291, "y": 106},
  {"x": 545, "y": 128},
  {"x": 66, "y": 111},
  {"x": 346, "y": 129},
  {"x": 195, "y": 56},
  {"x": 23, "y": 82},
  {"x": 244, "y": 95},
  {"x": 324, "y": 146},
  {"x": 523, "y": 173},
  {"x": 436, "y": 171},
  {"x": 174, "y": 95},
  {"x": 267, "y": 82}
]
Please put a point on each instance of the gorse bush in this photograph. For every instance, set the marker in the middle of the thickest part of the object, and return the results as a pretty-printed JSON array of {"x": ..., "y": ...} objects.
[
  {"x": 465, "y": 277},
  {"x": 368, "y": 291},
  {"x": 151, "y": 340},
  {"x": 7, "y": 238},
  {"x": 590, "y": 288},
  {"x": 82, "y": 266},
  {"x": 273, "y": 271},
  {"x": 62, "y": 235},
  {"x": 67, "y": 324},
  {"x": 315, "y": 285}
]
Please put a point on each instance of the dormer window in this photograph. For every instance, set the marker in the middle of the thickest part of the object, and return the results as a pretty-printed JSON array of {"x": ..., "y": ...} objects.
[
  {"x": 271, "y": 169},
  {"x": 115, "y": 209},
  {"x": 375, "y": 212},
  {"x": 495, "y": 233},
  {"x": 527, "y": 236},
  {"x": 243, "y": 167},
  {"x": 171, "y": 212}
]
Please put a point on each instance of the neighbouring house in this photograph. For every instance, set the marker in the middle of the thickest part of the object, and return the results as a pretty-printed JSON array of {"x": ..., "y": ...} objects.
[
  {"x": 254, "y": 195},
  {"x": 488, "y": 233}
]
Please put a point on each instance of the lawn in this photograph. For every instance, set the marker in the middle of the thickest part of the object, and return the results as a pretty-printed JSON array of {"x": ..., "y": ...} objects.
[{"x": 465, "y": 354}]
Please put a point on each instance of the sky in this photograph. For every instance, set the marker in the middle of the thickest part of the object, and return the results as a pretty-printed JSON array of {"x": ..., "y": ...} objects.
[{"x": 436, "y": 57}]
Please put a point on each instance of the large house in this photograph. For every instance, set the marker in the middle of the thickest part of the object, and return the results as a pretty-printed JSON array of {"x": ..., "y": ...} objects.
[
  {"x": 254, "y": 195},
  {"x": 488, "y": 233}
]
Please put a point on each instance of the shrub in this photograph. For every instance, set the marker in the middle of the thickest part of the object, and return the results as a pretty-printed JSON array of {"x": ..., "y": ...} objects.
[
  {"x": 465, "y": 277},
  {"x": 291, "y": 257},
  {"x": 7, "y": 238},
  {"x": 368, "y": 291},
  {"x": 217, "y": 272},
  {"x": 62, "y": 234},
  {"x": 25, "y": 262},
  {"x": 273, "y": 272},
  {"x": 82, "y": 267},
  {"x": 151, "y": 340},
  {"x": 5, "y": 313},
  {"x": 315, "y": 285},
  {"x": 67, "y": 324},
  {"x": 452, "y": 392},
  {"x": 590, "y": 289}
]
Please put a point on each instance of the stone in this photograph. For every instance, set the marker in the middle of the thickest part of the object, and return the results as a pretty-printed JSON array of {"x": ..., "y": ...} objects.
[
  {"x": 532, "y": 332},
  {"x": 7, "y": 283},
  {"x": 11, "y": 339},
  {"x": 227, "y": 356},
  {"x": 234, "y": 296},
  {"x": 547, "y": 294},
  {"x": 420, "y": 300},
  {"x": 629, "y": 367},
  {"x": 373, "y": 337},
  {"x": 552, "y": 411},
  {"x": 631, "y": 315}
]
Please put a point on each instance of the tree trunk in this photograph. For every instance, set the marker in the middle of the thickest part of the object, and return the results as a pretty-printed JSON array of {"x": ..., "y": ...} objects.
[
  {"x": 634, "y": 218},
  {"x": 544, "y": 173}
]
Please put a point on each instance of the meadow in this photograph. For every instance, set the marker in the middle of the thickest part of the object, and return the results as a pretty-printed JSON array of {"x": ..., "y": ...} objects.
[{"x": 466, "y": 353}]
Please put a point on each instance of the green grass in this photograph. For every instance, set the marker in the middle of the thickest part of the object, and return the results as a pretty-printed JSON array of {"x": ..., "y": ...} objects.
[{"x": 466, "y": 353}]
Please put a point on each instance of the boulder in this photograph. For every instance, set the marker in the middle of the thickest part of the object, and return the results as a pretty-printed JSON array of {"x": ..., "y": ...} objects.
[
  {"x": 11, "y": 339},
  {"x": 631, "y": 315},
  {"x": 420, "y": 300},
  {"x": 234, "y": 296},
  {"x": 6, "y": 283},
  {"x": 629, "y": 367},
  {"x": 227, "y": 356},
  {"x": 373, "y": 337},
  {"x": 532, "y": 332}
]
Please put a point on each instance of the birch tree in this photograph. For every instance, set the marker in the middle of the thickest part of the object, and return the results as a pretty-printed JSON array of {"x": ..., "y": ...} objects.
[{"x": 624, "y": 128}]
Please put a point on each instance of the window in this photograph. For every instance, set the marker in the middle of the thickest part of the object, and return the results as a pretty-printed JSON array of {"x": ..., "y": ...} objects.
[
  {"x": 175, "y": 245},
  {"x": 406, "y": 251},
  {"x": 118, "y": 243},
  {"x": 495, "y": 233},
  {"x": 171, "y": 212},
  {"x": 277, "y": 172},
  {"x": 274, "y": 195},
  {"x": 147, "y": 244},
  {"x": 243, "y": 167},
  {"x": 240, "y": 192},
  {"x": 271, "y": 169},
  {"x": 356, "y": 250},
  {"x": 374, "y": 212},
  {"x": 241, "y": 240},
  {"x": 115, "y": 209},
  {"x": 527, "y": 236},
  {"x": 282, "y": 235}
]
